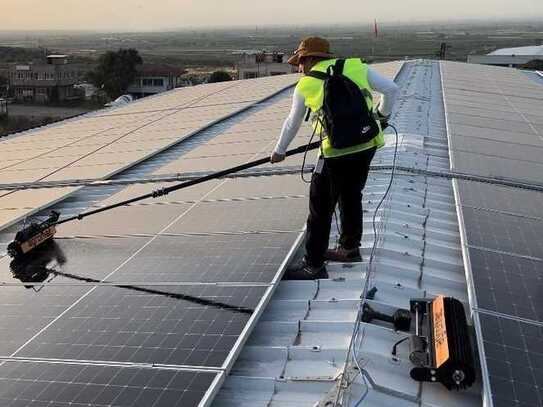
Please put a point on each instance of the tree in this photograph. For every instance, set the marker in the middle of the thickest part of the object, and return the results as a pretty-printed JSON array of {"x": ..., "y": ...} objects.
[
  {"x": 219, "y": 76},
  {"x": 116, "y": 71},
  {"x": 3, "y": 86}
]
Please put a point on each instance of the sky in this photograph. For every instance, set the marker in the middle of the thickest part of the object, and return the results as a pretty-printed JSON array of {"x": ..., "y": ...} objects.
[{"x": 156, "y": 15}]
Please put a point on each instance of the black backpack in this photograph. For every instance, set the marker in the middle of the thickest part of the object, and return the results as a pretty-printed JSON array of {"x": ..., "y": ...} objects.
[{"x": 345, "y": 115}]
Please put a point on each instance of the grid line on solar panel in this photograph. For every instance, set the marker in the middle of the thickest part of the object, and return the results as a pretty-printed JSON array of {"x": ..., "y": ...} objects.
[
  {"x": 497, "y": 167},
  {"x": 181, "y": 326},
  {"x": 13, "y": 211},
  {"x": 505, "y": 233},
  {"x": 501, "y": 198},
  {"x": 490, "y": 93},
  {"x": 146, "y": 124},
  {"x": 497, "y": 149},
  {"x": 510, "y": 285},
  {"x": 243, "y": 258},
  {"x": 26, "y": 311},
  {"x": 474, "y": 133},
  {"x": 49, "y": 151},
  {"x": 249, "y": 258},
  {"x": 63, "y": 385},
  {"x": 514, "y": 123},
  {"x": 265, "y": 215},
  {"x": 487, "y": 111},
  {"x": 63, "y": 176},
  {"x": 514, "y": 358}
]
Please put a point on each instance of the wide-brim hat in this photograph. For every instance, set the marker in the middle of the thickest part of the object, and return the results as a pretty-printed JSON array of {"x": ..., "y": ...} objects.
[{"x": 311, "y": 47}]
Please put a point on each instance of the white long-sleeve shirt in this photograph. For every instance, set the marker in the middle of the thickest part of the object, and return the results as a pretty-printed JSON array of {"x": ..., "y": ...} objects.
[{"x": 292, "y": 124}]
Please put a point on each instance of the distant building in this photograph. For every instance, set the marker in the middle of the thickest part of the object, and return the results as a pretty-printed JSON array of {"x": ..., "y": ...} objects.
[
  {"x": 4, "y": 82},
  {"x": 259, "y": 64},
  {"x": 510, "y": 57},
  {"x": 3, "y": 107},
  {"x": 52, "y": 81},
  {"x": 153, "y": 79}
]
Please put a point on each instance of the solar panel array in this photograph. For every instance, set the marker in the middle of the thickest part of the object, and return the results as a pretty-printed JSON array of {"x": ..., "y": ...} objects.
[
  {"x": 104, "y": 143},
  {"x": 132, "y": 316},
  {"x": 495, "y": 124},
  {"x": 148, "y": 305},
  {"x": 34, "y": 384}
]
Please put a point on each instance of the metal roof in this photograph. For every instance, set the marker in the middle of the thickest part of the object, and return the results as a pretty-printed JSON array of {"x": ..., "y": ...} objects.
[
  {"x": 528, "y": 50},
  {"x": 297, "y": 351}
]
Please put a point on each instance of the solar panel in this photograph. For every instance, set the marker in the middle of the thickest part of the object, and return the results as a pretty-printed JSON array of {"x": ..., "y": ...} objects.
[
  {"x": 494, "y": 129},
  {"x": 172, "y": 325},
  {"x": 510, "y": 149},
  {"x": 24, "y": 313},
  {"x": 136, "y": 294},
  {"x": 92, "y": 257},
  {"x": 135, "y": 219},
  {"x": 273, "y": 186},
  {"x": 504, "y": 232},
  {"x": 514, "y": 359},
  {"x": 244, "y": 216},
  {"x": 508, "y": 122},
  {"x": 508, "y": 284},
  {"x": 522, "y": 202},
  {"x": 43, "y": 384},
  {"x": 248, "y": 258},
  {"x": 60, "y": 152}
]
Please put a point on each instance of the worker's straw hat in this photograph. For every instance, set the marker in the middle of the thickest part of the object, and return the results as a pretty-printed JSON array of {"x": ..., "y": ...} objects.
[{"x": 311, "y": 47}]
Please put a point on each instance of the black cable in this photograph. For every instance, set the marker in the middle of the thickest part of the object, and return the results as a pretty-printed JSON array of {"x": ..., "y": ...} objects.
[
  {"x": 368, "y": 274},
  {"x": 395, "y": 347},
  {"x": 393, "y": 171}
]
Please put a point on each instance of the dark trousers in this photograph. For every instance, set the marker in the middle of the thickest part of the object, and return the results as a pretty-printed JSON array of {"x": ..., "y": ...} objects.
[{"x": 341, "y": 181}]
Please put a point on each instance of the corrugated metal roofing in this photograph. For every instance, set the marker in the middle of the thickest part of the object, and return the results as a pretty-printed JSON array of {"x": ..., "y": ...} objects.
[{"x": 297, "y": 352}]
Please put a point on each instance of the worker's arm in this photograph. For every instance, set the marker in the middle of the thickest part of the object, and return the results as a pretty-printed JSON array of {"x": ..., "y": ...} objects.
[
  {"x": 290, "y": 127},
  {"x": 387, "y": 88}
]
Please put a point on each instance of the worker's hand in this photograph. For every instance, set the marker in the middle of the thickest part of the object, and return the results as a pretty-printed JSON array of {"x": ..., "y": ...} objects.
[
  {"x": 383, "y": 120},
  {"x": 276, "y": 158}
]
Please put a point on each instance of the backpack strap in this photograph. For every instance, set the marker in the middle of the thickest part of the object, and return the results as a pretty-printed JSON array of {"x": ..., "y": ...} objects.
[
  {"x": 307, "y": 114},
  {"x": 318, "y": 75},
  {"x": 338, "y": 66}
]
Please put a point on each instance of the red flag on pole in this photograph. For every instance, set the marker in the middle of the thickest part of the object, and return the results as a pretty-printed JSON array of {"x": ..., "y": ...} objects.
[{"x": 375, "y": 27}]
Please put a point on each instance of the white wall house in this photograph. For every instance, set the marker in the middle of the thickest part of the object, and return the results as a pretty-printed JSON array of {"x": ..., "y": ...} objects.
[
  {"x": 259, "y": 64},
  {"x": 153, "y": 79}
]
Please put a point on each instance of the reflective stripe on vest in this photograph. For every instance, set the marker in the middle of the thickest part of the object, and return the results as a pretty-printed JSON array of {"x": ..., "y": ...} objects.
[{"x": 312, "y": 90}]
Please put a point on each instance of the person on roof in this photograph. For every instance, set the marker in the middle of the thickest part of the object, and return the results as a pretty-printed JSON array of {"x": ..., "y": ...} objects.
[{"x": 340, "y": 173}]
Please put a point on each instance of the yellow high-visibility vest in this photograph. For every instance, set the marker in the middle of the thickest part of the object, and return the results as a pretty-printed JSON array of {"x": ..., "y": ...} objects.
[{"x": 312, "y": 90}]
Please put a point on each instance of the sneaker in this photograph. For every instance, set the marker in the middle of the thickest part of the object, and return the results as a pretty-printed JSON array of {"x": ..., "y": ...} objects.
[
  {"x": 343, "y": 255},
  {"x": 306, "y": 272}
]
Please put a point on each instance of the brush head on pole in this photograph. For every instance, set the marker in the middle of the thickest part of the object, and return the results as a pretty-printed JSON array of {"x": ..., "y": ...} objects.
[{"x": 33, "y": 236}]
